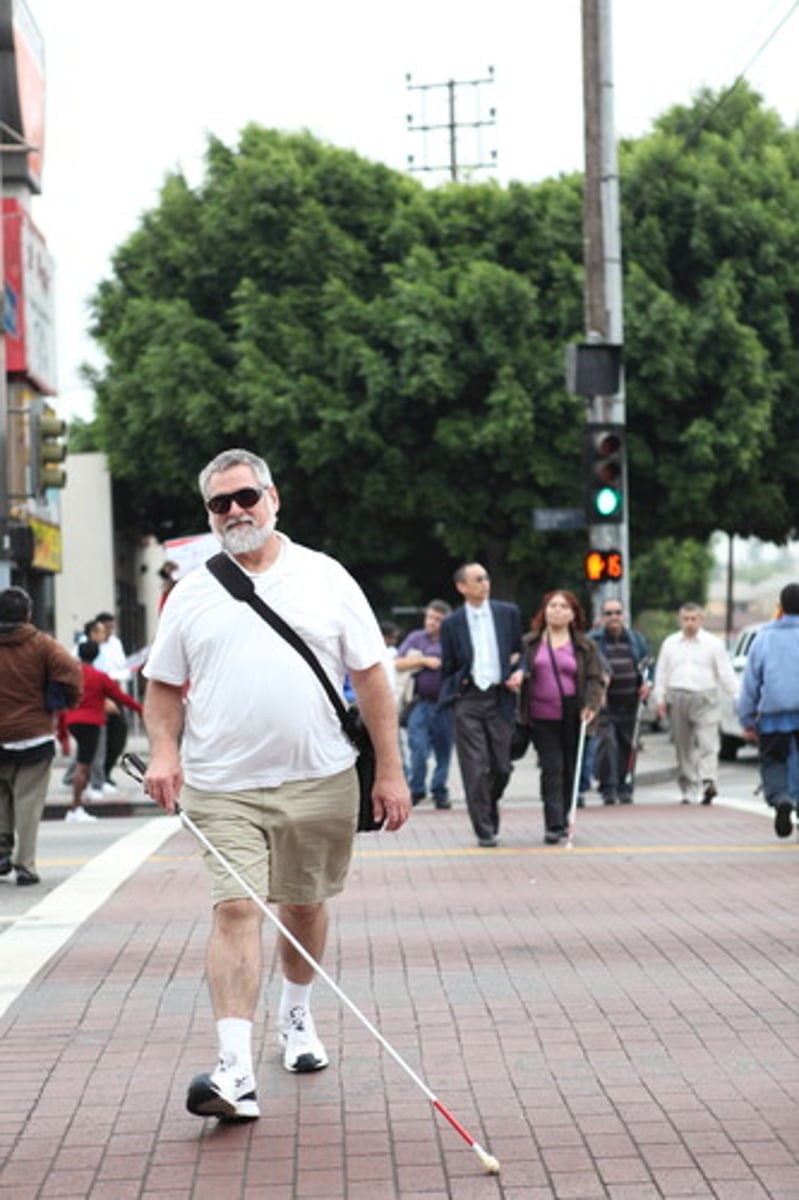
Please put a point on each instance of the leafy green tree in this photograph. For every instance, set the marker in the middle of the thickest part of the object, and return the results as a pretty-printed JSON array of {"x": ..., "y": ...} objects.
[
  {"x": 397, "y": 353},
  {"x": 671, "y": 571},
  {"x": 378, "y": 343},
  {"x": 711, "y": 237}
]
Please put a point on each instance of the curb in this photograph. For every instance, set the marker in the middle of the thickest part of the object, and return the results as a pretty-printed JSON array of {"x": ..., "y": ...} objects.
[
  {"x": 56, "y": 811},
  {"x": 142, "y": 806}
]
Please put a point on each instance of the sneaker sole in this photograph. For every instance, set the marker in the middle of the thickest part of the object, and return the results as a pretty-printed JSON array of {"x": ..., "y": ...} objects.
[
  {"x": 203, "y": 1099},
  {"x": 304, "y": 1064},
  {"x": 783, "y": 820}
]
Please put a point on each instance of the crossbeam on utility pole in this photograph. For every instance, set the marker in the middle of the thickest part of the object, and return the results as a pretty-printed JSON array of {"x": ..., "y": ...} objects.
[{"x": 450, "y": 124}]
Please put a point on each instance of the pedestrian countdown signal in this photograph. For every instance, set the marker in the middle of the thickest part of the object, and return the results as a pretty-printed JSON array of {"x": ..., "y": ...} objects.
[{"x": 603, "y": 565}]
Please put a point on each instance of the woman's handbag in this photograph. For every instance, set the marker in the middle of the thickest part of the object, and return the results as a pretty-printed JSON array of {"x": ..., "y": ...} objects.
[
  {"x": 241, "y": 587},
  {"x": 520, "y": 741}
]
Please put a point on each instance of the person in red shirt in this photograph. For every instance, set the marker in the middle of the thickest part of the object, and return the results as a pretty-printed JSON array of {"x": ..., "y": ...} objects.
[{"x": 85, "y": 722}]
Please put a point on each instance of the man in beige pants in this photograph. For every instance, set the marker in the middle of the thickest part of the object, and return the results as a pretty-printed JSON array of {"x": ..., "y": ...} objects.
[{"x": 691, "y": 667}]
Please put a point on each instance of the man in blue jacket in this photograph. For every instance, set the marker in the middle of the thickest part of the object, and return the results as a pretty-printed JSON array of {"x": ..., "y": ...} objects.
[
  {"x": 481, "y": 646},
  {"x": 768, "y": 706}
]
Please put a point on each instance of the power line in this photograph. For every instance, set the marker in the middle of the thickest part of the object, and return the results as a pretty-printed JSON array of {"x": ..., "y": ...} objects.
[{"x": 691, "y": 137}]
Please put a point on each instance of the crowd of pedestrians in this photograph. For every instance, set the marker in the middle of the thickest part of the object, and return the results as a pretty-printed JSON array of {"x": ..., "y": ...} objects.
[
  {"x": 277, "y": 813},
  {"x": 464, "y": 680}
]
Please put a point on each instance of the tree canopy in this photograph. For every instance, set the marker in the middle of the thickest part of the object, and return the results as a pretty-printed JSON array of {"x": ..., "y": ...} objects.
[
  {"x": 711, "y": 242},
  {"x": 396, "y": 353}
]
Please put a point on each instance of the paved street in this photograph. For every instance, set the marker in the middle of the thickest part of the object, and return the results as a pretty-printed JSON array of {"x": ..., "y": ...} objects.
[{"x": 617, "y": 1020}]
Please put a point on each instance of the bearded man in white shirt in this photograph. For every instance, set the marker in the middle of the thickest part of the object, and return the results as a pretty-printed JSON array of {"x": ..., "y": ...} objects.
[
  {"x": 692, "y": 666},
  {"x": 244, "y": 737}
]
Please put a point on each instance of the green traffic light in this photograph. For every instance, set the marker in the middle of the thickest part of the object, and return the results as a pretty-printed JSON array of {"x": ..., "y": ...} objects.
[{"x": 607, "y": 501}]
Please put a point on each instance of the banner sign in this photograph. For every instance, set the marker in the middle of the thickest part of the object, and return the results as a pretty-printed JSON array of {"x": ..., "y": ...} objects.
[{"x": 30, "y": 343}]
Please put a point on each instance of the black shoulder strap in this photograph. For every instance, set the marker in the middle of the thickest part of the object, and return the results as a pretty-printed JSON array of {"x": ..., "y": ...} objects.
[{"x": 241, "y": 587}]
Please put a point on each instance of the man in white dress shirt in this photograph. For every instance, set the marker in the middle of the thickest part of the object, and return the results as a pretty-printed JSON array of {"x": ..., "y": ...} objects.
[
  {"x": 691, "y": 667},
  {"x": 480, "y": 653}
]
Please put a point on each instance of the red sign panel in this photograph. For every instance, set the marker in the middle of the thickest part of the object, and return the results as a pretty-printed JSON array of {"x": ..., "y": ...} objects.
[
  {"x": 30, "y": 327},
  {"x": 22, "y": 93}
]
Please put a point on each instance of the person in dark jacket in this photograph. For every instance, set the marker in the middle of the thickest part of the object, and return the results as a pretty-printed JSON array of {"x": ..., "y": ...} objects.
[
  {"x": 562, "y": 686},
  {"x": 480, "y": 652},
  {"x": 627, "y": 653},
  {"x": 37, "y": 676}
]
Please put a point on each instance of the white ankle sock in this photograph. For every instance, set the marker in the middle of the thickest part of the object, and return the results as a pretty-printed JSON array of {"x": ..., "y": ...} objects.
[
  {"x": 235, "y": 1038},
  {"x": 294, "y": 995}
]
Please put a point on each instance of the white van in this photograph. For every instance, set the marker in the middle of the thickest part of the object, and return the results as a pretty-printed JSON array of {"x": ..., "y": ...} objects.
[{"x": 730, "y": 733}]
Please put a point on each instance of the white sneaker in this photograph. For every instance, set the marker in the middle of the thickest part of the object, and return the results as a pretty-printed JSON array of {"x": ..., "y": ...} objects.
[
  {"x": 110, "y": 789},
  {"x": 78, "y": 814},
  {"x": 227, "y": 1093},
  {"x": 302, "y": 1050},
  {"x": 92, "y": 793}
]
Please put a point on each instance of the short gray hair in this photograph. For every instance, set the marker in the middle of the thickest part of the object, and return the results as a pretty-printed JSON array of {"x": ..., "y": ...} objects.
[
  {"x": 440, "y": 606},
  {"x": 234, "y": 458}
]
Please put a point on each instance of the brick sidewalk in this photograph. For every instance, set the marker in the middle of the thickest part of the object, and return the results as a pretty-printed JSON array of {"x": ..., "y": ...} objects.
[{"x": 614, "y": 1021}]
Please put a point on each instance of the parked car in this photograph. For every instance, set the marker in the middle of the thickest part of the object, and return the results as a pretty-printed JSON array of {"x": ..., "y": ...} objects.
[
  {"x": 649, "y": 717},
  {"x": 731, "y": 736}
]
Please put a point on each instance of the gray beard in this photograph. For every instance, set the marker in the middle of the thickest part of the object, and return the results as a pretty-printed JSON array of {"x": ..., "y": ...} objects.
[{"x": 246, "y": 539}]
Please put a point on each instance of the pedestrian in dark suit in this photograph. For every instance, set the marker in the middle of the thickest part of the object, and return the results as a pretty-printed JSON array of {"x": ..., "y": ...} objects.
[{"x": 481, "y": 646}]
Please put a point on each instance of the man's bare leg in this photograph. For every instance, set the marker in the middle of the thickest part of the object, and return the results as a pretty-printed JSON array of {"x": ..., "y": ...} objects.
[{"x": 308, "y": 924}]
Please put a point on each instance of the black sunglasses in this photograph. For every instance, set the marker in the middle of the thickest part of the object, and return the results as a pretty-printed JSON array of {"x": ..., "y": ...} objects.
[{"x": 246, "y": 497}]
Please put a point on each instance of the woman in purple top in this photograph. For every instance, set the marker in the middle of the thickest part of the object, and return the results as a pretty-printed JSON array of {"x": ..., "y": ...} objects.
[{"x": 562, "y": 686}]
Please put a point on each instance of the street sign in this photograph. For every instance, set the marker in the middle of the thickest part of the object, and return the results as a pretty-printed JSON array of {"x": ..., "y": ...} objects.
[{"x": 549, "y": 519}]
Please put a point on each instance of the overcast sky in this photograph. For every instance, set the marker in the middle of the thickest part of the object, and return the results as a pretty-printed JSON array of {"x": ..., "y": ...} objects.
[{"x": 134, "y": 89}]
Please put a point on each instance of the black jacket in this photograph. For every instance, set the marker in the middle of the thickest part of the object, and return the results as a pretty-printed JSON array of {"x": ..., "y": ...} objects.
[{"x": 457, "y": 652}]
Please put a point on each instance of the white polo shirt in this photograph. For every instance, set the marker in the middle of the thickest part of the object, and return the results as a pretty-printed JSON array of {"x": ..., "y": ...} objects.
[{"x": 256, "y": 715}]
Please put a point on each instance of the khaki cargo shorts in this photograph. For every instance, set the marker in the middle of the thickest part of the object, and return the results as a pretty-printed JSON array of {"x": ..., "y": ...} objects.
[{"x": 292, "y": 844}]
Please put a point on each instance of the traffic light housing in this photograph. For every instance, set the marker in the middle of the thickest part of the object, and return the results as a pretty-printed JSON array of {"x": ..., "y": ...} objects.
[
  {"x": 603, "y": 566},
  {"x": 50, "y": 450},
  {"x": 604, "y": 473}
]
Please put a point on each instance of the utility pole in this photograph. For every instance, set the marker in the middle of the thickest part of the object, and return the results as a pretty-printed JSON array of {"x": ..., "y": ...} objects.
[
  {"x": 603, "y": 275},
  {"x": 450, "y": 125}
]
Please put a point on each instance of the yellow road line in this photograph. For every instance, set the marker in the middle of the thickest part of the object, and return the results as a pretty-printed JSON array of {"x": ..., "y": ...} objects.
[
  {"x": 80, "y": 862},
  {"x": 551, "y": 852},
  {"x": 554, "y": 851}
]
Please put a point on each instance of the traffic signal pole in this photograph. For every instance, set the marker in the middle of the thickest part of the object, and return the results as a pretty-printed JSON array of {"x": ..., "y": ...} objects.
[{"x": 602, "y": 262}]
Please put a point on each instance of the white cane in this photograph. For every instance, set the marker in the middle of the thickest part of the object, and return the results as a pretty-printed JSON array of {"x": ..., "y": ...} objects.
[
  {"x": 136, "y": 768},
  {"x": 632, "y": 761},
  {"x": 578, "y": 767}
]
